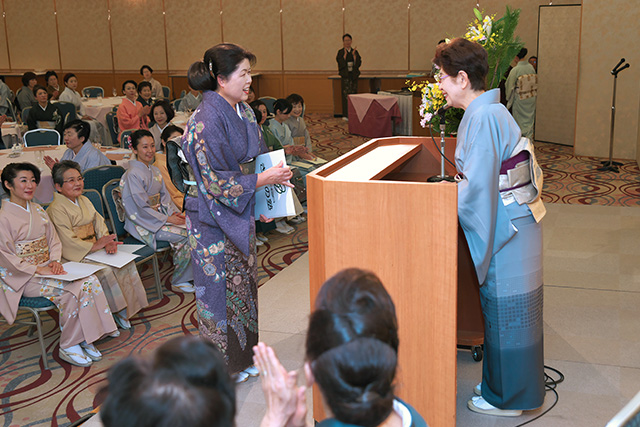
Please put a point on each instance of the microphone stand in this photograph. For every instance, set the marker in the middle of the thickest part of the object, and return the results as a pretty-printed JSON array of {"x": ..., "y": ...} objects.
[
  {"x": 442, "y": 176},
  {"x": 610, "y": 165}
]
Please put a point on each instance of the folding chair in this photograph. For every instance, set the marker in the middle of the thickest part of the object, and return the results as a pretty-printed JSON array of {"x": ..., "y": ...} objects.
[
  {"x": 41, "y": 137},
  {"x": 93, "y": 91}
]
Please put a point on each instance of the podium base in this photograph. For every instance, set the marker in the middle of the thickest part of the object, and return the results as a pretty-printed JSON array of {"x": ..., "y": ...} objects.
[{"x": 440, "y": 178}]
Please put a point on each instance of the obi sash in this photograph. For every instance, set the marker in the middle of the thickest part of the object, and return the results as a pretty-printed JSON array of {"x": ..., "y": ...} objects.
[
  {"x": 85, "y": 232},
  {"x": 34, "y": 252},
  {"x": 154, "y": 201}
]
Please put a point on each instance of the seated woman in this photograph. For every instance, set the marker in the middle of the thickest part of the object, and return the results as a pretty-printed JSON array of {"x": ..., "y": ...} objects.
[
  {"x": 150, "y": 215},
  {"x": 82, "y": 231},
  {"x": 282, "y": 111},
  {"x": 29, "y": 246},
  {"x": 144, "y": 93},
  {"x": 131, "y": 114},
  {"x": 296, "y": 123},
  {"x": 44, "y": 114},
  {"x": 156, "y": 88},
  {"x": 184, "y": 383},
  {"x": 270, "y": 139},
  {"x": 170, "y": 132},
  {"x": 53, "y": 86},
  {"x": 25, "y": 97},
  {"x": 191, "y": 100},
  {"x": 351, "y": 353},
  {"x": 161, "y": 114},
  {"x": 76, "y": 135}
]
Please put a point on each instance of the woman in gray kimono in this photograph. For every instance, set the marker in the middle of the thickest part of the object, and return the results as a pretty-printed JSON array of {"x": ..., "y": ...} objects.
[
  {"x": 220, "y": 140},
  {"x": 500, "y": 220}
]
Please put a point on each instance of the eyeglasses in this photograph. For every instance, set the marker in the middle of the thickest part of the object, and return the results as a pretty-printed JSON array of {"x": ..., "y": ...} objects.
[
  {"x": 440, "y": 77},
  {"x": 74, "y": 180}
]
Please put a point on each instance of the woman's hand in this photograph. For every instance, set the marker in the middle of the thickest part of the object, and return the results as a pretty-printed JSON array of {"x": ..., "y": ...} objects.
[
  {"x": 279, "y": 388},
  {"x": 54, "y": 267},
  {"x": 144, "y": 111},
  {"x": 102, "y": 242},
  {"x": 50, "y": 161},
  {"x": 177, "y": 219},
  {"x": 112, "y": 247},
  {"x": 278, "y": 174},
  {"x": 265, "y": 219}
]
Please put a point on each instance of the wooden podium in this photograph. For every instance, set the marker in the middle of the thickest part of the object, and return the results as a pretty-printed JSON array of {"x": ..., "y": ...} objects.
[{"x": 373, "y": 209}]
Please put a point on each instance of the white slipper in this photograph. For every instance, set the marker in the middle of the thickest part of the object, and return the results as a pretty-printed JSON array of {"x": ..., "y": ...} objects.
[
  {"x": 75, "y": 356},
  {"x": 477, "y": 390},
  {"x": 262, "y": 237},
  {"x": 114, "y": 334},
  {"x": 91, "y": 351},
  {"x": 185, "y": 287},
  {"x": 481, "y": 406},
  {"x": 252, "y": 371},
  {"x": 240, "y": 377}
]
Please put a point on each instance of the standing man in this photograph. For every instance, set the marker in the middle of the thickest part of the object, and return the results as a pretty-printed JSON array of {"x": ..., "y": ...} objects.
[
  {"x": 349, "y": 62},
  {"x": 522, "y": 91}
]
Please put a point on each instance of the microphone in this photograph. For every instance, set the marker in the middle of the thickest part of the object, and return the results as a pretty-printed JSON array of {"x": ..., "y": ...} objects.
[
  {"x": 442, "y": 110},
  {"x": 617, "y": 65}
]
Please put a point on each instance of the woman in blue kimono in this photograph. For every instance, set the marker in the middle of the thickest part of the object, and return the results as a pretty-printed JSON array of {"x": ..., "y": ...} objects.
[
  {"x": 499, "y": 209},
  {"x": 221, "y": 138}
]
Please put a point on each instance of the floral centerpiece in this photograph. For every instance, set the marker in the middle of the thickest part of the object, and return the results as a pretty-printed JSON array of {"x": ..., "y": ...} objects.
[{"x": 497, "y": 37}]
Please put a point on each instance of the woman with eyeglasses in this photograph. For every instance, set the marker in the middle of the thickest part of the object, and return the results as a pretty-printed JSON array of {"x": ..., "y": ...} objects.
[{"x": 499, "y": 209}]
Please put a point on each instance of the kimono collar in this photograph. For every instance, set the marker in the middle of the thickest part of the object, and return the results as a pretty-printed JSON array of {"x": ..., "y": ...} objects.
[{"x": 489, "y": 97}]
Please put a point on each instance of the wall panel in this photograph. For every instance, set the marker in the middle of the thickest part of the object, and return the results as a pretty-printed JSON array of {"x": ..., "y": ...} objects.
[
  {"x": 193, "y": 26},
  {"x": 84, "y": 35},
  {"x": 138, "y": 41},
  {"x": 31, "y": 49},
  {"x": 312, "y": 34},
  {"x": 255, "y": 25},
  {"x": 380, "y": 32},
  {"x": 4, "y": 53},
  {"x": 314, "y": 88}
]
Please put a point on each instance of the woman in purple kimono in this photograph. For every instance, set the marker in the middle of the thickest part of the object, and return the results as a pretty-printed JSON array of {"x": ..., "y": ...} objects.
[
  {"x": 499, "y": 209},
  {"x": 220, "y": 141}
]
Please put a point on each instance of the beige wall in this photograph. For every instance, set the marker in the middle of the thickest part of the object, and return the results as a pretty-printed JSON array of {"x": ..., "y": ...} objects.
[{"x": 608, "y": 34}]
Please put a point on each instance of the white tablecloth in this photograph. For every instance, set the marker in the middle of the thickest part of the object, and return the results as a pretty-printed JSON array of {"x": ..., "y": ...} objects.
[
  {"x": 11, "y": 133},
  {"x": 405, "y": 102},
  {"x": 99, "y": 107}
]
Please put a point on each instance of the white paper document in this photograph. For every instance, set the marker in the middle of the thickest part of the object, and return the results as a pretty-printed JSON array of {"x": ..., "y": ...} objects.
[
  {"x": 273, "y": 201},
  {"x": 75, "y": 271},
  {"x": 129, "y": 248},
  {"x": 118, "y": 260}
]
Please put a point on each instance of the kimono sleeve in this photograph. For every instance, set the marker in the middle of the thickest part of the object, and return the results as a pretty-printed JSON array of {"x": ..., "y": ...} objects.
[
  {"x": 73, "y": 248},
  {"x": 55, "y": 246},
  {"x": 127, "y": 116},
  {"x": 13, "y": 270},
  {"x": 136, "y": 203}
]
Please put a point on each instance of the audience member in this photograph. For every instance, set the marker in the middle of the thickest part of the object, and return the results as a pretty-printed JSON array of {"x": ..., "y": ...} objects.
[
  {"x": 191, "y": 100},
  {"x": 156, "y": 88},
  {"x": 150, "y": 215},
  {"x": 70, "y": 94},
  {"x": 82, "y": 231},
  {"x": 76, "y": 135},
  {"x": 351, "y": 353},
  {"x": 29, "y": 246},
  {"x": 25, "y": 97},
  {"x": 144, "y": 93},
  {"x": 6, "y": 96},
  {"x": 161, "y": 114},
  {"x": 44, "y": 115},
  {"x": 131, "y": 114},
  {"x": 53, "y": 86},
  {"x": 349, "y": 62},
  {"x": 521, "y": 91},
  {"x": 298, "y": 127},
  {"x": 533, "y": 60},
  {"x": 184, "y": 383},
  {"x": 270, "y": 140},
  {"x": 168, "y": 133},
  {"x": 251, "y": 96}
]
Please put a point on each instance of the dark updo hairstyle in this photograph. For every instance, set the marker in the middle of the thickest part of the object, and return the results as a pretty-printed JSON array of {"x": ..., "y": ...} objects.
[
  {"x": 463, "y": 55},
  {"x": 10, "y": 172},
  {"x": 133, "y": 82},
  {"x": 170, "y": 130},
  {"x": 36, "y": 88},
  {"x": 67, "y": 77},
  {"x": 27, "y": 77},
  {"x": 522, "y": 53},
  {"x": 166, "y": 106},
  {"x": 137, "y": 136},
  {"x": 142, "y": 85},
  {"x": 257, "y": 112},
  {"x": 219, "y": 61},
  {"x": 58, "y": 170},
  {"x": 282, "y": 105},
  {"x": 294, "y": 98},
  {"x": 49, "y": 74},
  {"x": 184, "y": 384},
  {"x": 147, "y": 67},
  {"x": 351, "y": 345},
  {"x": 81, "y": 127}
]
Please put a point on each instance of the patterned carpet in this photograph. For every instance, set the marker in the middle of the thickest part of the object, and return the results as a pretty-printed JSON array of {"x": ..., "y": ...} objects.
[{"x": 30, "y": 396}]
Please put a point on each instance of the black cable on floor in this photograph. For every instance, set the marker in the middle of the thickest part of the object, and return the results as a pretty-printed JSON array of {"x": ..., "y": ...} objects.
[{"x": 550, "y": 385}]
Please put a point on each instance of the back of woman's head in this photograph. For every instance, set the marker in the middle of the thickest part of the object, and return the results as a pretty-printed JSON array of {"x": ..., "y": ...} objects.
[
  {"x": 219, "y": 61},
  {"x": 463, "y": 55},
  {"x": 282, "y": 105},
  {"x": 185, "y": 383}
]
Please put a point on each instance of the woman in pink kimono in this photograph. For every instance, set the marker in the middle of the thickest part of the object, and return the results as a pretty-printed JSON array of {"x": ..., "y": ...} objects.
[{"x": 29, "y": 246}]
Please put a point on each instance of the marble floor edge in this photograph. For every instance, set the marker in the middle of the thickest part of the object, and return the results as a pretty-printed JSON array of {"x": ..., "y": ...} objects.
[{"x": 590, "y": 363}]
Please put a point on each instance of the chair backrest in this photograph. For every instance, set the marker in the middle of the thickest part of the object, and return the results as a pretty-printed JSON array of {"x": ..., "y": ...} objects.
[
  {"x": 183, "y": 93},
  {"x": 112, "y": 123},
  {"x": 95, "y": 198},
  {"x": 93, "y": 91},
  {"x": 268, "y": 101},
  {"x": 41, "y": 137},
  {"x": 25, "y": 114},
  {"x": 166, "y": 91},
  {"x": 107, "y": 194},
  {"x": 11, "y": 112},
  {"x": 97, "y": 177},
  {"x": 125, "y": 138},
  {"x": 176, "y": 104},
  {"x": 68, "y": 111},
  {"x": 115, "y": 108}
]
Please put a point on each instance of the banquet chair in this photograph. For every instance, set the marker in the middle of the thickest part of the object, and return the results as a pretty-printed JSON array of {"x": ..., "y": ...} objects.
[
  {"x": 182, "y": 93},
  {"x": 111, "y": 195},
  {"x": 93, "y": 91},
  {"x": 112, "y": 123},
  {"x": 11, "y": 112},
  {"x": 268, "y": 101},
  {"x": 95, "y": 198},
  {"x": 125, "y": 138},
  {"x": 166, "y": 92},
  {"x": 96, "y": 178},
  {"x": 68, "y": 110},
  {"x": 176, "y": 104},
  {"x": 25, "y": 114},
  {"x": 35, "y": 306},
  {"x": 36, "y": 137}
]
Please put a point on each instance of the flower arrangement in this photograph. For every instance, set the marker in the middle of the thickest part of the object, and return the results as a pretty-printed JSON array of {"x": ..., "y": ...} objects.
[{"x": 497, "y": 38}]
